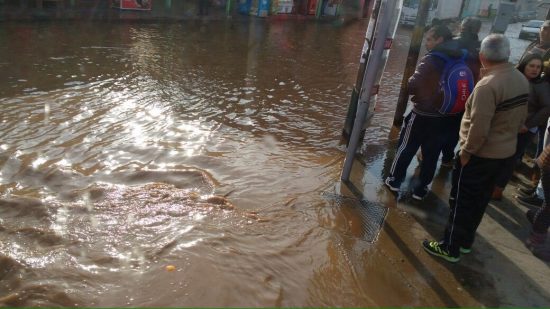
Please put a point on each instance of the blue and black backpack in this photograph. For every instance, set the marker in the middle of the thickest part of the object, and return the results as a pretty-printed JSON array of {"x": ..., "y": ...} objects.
[{"x": 455, "y": 83}]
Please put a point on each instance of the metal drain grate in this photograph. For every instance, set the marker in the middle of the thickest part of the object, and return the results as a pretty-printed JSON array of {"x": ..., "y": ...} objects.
[{"x": 371, "y": 215}]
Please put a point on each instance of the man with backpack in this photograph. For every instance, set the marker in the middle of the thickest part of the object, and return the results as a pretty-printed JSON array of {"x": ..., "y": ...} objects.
[
  {"x": 438, "y": 88},
  {"x": 495, "y": 112}
]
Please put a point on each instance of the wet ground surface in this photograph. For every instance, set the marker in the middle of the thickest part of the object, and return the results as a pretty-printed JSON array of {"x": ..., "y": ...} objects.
[{"x": 198, "y": 164}]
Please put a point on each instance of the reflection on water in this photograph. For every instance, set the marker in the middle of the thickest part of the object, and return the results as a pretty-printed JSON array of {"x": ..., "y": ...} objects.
[
  {"x": 129, "y": 147},
  {"x": 205, "y": 147}
]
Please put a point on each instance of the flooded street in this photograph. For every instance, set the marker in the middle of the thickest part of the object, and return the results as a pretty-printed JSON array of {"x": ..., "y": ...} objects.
[
  {"x": 202, "y": 146},
  {"x": 185, "y": 164}
]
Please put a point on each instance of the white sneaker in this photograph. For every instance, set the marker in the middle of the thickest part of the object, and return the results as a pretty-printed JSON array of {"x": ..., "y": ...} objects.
[{"x": 388, "y": 184}]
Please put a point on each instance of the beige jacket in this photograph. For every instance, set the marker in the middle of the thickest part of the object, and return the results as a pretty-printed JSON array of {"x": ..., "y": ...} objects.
[{"x": 495, "y": 111}]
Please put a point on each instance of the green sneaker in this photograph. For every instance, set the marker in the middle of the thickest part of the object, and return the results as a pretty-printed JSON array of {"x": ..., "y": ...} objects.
[
  {"x": 465, "y": 250},
  {"x": 433, "y": 247}
]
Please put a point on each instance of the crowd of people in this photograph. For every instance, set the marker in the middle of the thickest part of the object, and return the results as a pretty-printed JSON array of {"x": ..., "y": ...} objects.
[{"x": 505, "y": 107}]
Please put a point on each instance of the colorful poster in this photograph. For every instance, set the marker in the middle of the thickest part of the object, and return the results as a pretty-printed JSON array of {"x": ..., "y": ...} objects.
[{"x": 132, "y": 4}]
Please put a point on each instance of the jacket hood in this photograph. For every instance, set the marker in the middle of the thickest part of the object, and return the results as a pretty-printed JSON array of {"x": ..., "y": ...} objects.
[{"x": 450, "y": 48}]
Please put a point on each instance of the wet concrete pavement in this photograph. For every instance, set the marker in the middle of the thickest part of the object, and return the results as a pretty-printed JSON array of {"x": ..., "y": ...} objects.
[{"x": 500, "y": 271}]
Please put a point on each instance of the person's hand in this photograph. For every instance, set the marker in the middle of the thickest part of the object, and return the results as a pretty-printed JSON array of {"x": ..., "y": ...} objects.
[
  {"x": 523, "y": 129},
  {"x": 464, "y": 158}
]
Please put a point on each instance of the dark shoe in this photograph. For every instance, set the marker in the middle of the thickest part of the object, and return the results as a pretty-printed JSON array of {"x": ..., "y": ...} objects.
[
  {"x": 434, "y": 248},
  {"x": 388, "y": 182},
  {"x": 530, "y": 201},
  {"x": 420, "y": 193}
]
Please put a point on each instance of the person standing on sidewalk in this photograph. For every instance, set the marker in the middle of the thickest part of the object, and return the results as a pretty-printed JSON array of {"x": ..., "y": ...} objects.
[
  {"x": 540, "y": 217},
  {"x": 495, "y": 112},
  {"x": 538, "y": 111},
  {"x": 424, "y": 126},
  {"x": 534, "y": 196},
  {"x": 542, "y": 45}
]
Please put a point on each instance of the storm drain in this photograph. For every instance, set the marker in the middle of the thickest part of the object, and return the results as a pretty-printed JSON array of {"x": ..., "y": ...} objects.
[{"x": 371, "y": 215}]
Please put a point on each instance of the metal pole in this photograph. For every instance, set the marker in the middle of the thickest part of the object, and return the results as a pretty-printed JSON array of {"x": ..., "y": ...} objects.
[
  {"x": 367, "y": 45},
  {"x": 412, "y": 58},
  {"x": 387, "y": 7}
]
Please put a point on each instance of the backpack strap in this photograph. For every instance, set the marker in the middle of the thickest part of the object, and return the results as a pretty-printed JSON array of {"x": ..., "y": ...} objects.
[
  {"x": 446, "y": 60},
  {"x": 464, "y": 54}
]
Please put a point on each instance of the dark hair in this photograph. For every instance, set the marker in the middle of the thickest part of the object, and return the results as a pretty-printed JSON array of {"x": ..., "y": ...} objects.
[
  {"x": 528, "y": 58},
  {"x": 470, "y": 25},
  {"x": 441, "y": 31},
  {"x": 436, "y": 22}
]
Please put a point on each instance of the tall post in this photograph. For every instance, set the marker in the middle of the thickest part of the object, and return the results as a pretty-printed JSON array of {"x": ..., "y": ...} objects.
[
  {"x": 373, "y": 8},
  {"x": 168, "y": 4},
  {"x": 412, "y": 58},
  {"x": 388, "y": 16}
]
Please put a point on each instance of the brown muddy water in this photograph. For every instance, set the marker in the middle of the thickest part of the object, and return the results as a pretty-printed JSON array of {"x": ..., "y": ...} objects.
[{"x": 181, "y": 164}]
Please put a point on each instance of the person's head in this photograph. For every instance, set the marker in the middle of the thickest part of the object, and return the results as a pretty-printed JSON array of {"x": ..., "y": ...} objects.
[
  {"x": 495, "y": 49},
  {"x": 470, "y": 25},
  {"x": 544, "y": 34},
  {"x": 437, "y": 35},
  {"x": 436, "y": 22},
  {"x": 531, "y": 66}
]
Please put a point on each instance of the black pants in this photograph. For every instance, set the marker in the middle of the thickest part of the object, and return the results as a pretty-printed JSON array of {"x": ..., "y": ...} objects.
[
  {"x": 506, "y": 173},
  {"x": 471, "y": 190},
  {"x": 419, "y": 131},
  {"x": 451, "y": 141}
]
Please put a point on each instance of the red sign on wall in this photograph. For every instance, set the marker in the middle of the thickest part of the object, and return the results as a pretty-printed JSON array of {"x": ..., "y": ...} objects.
[{"x": 132, "y": 4}]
